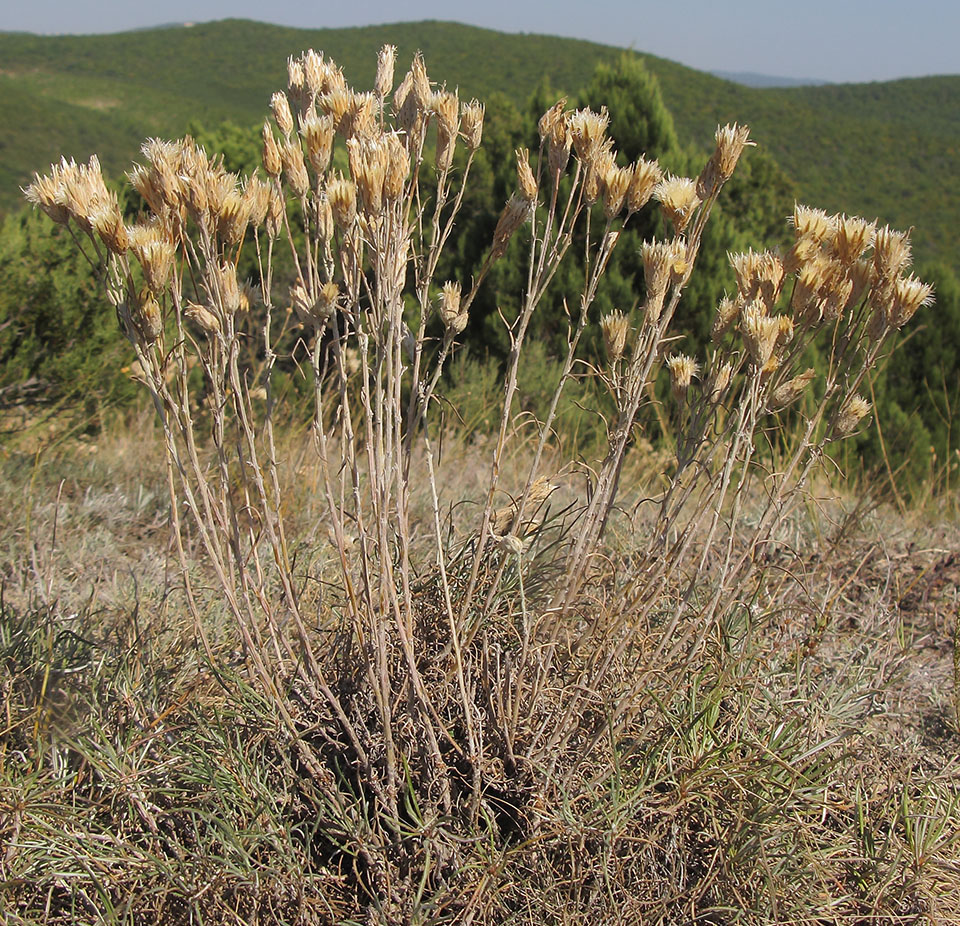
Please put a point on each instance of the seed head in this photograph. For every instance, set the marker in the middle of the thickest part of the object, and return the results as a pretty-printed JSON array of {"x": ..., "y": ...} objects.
[
  {"x": 682, "y": 371},
  {"x": 314, "y": 311},
  {"x": 256, "y": 196},
  {"x": 233, "y": 216},
  {"x": 814, "y": 224},
  {"x": 155, "y": 253},
  {"x": 272, "y": 162},
  {"x": 280, "y": 107},
  {"x": 719, "y": 380},
  {"x": 316, "y": 73},
  {"x": 727, "y": 313},
  {"x": 525, "y": 179},
  {"x": 746, "y": 268},
  {"x": 554, "y": 127},
  {"x": 678, "y": 197},
  {"x": 107, "y": 219},
  {"x": 224, "y": 288},
  {"x": 787, "y": 393},
  {"x": 615, "y": 327},
  {"x": 202, "y": 317},
  {"x": 853, "y": 411},
  {"x": 861, "y": 275},
  {"x": 616, "y": 186},
  {"x": 295, "y": 76},
  {"x": 909, "y": 295},
  {"x": 854, "y": 235},
  {"x": 835, "y": 296},
  {"x": 471, "y": 123},
  {"x": 731, "y": 140},
  {"x": 597, "y": 171},
  {"x": 368, "y": 165},
  {"x": 587, "y": 130},
  {"x": 398, "y": 168},
  {"x": 811, "y": 280},
  {"x": 147, "y": 318},
  {"x": 646, "y": 176},
  {"x": 411, "y": 100},
  {"x": 317, "y": 133},
  {"x": 338, "y": 105},
  {"x": 47, "y": 192},
  {"x": 454, "y": 320},
  {"x": 760, "y": 333},
  {"x": 276, "y": 210},
  {"x": 445, "y": 106},
  {"x": 362, "y": 117},
  {"x": 663, "y": 262},
  {"x": 891, "y": 252},
  {"x": 342, "y": 195},
  {"x": 386, "y": 62},
  {"x": 294, "y": 166},
  {"x": 323, "y": 217},
  {"x": 517, "y": 210},
  {"x": 802, "y": 252}
]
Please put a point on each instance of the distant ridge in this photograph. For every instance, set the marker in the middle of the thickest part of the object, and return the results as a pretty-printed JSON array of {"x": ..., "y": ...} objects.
[
  {"x": 752, "y": 79},
  {"x": 886, "y": 150}
]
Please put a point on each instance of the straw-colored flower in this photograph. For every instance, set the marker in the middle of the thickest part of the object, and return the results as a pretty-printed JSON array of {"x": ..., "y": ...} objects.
[
  {"x": 727, "y": 312},
  {"x": 731, "y": 140},
  {"x": 682, "y": 371},
  {"x": 814, "y": 224},
  {"x": 342, "y": 195},
  {"x": 760, "y": 333},
  {"x": 317, "y": 134},
  {"x": 615, "y": 327},
  {"x": 471, "y": 123},
  {"x": 386, "y": 62},
  {"x": 454, "y": 319},
  {"x": 678, "y": 197},
  {"x": 891, "y": 252},
  {"x": 646, "y": 176},
  {"x": 445, "y": 106},
  {"x": 587, "y": 131},
  {"x": 719, "y": 381},
  {"x": 107, "y": 219},
  {"x": 47, "y": 193},
  {"x": 664, "y": 262},
  {"x": 155, "y": 253},
  {"x": 515, "y": 213},
  {"x": 280, "y": 107},
  {"x": 616, "y": 184},
  {"x": 525, "y": 179},
  {"x": 554, "y": 128},
  {"x": 854, "y": 235},
  {"x": 909, "y": 294},
  {"x": 272, "y": 162},
  {"x": 200, "y": 315},
  {"x": 787, "y": 393},
  {"x": 147, "y": 318},
  {"x": 853, "y": 411}
]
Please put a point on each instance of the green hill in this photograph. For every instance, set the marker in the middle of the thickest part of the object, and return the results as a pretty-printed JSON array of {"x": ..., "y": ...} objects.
[{"x": 889, "y": 150}]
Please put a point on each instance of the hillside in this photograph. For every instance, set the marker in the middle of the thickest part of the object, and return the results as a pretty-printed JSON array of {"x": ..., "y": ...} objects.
[{"x": 881, "y": 149}]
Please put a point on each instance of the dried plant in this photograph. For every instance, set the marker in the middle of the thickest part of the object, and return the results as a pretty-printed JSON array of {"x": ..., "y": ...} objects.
[{"x": 445, "y": 685}]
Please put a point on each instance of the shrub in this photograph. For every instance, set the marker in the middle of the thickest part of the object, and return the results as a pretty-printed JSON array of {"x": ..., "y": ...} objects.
[{"x": 462, "y": 673}]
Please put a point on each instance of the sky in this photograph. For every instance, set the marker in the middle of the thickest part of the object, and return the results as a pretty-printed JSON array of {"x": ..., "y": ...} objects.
[{"x": 834, "y": 40}]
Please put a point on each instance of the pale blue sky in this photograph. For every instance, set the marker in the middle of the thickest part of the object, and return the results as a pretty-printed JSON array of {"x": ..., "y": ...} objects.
[{"x": 838, "y": 40}]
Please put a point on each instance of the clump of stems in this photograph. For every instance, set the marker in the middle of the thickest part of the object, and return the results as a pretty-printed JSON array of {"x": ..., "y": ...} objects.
[{"x": 439, "y": 691}]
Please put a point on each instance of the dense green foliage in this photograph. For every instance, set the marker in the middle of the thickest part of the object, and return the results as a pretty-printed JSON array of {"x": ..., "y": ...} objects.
[{"x": 59, "y": 340}]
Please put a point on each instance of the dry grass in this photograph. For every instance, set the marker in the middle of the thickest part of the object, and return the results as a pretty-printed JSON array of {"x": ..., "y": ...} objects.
[{"x": 804, "y": 771}]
